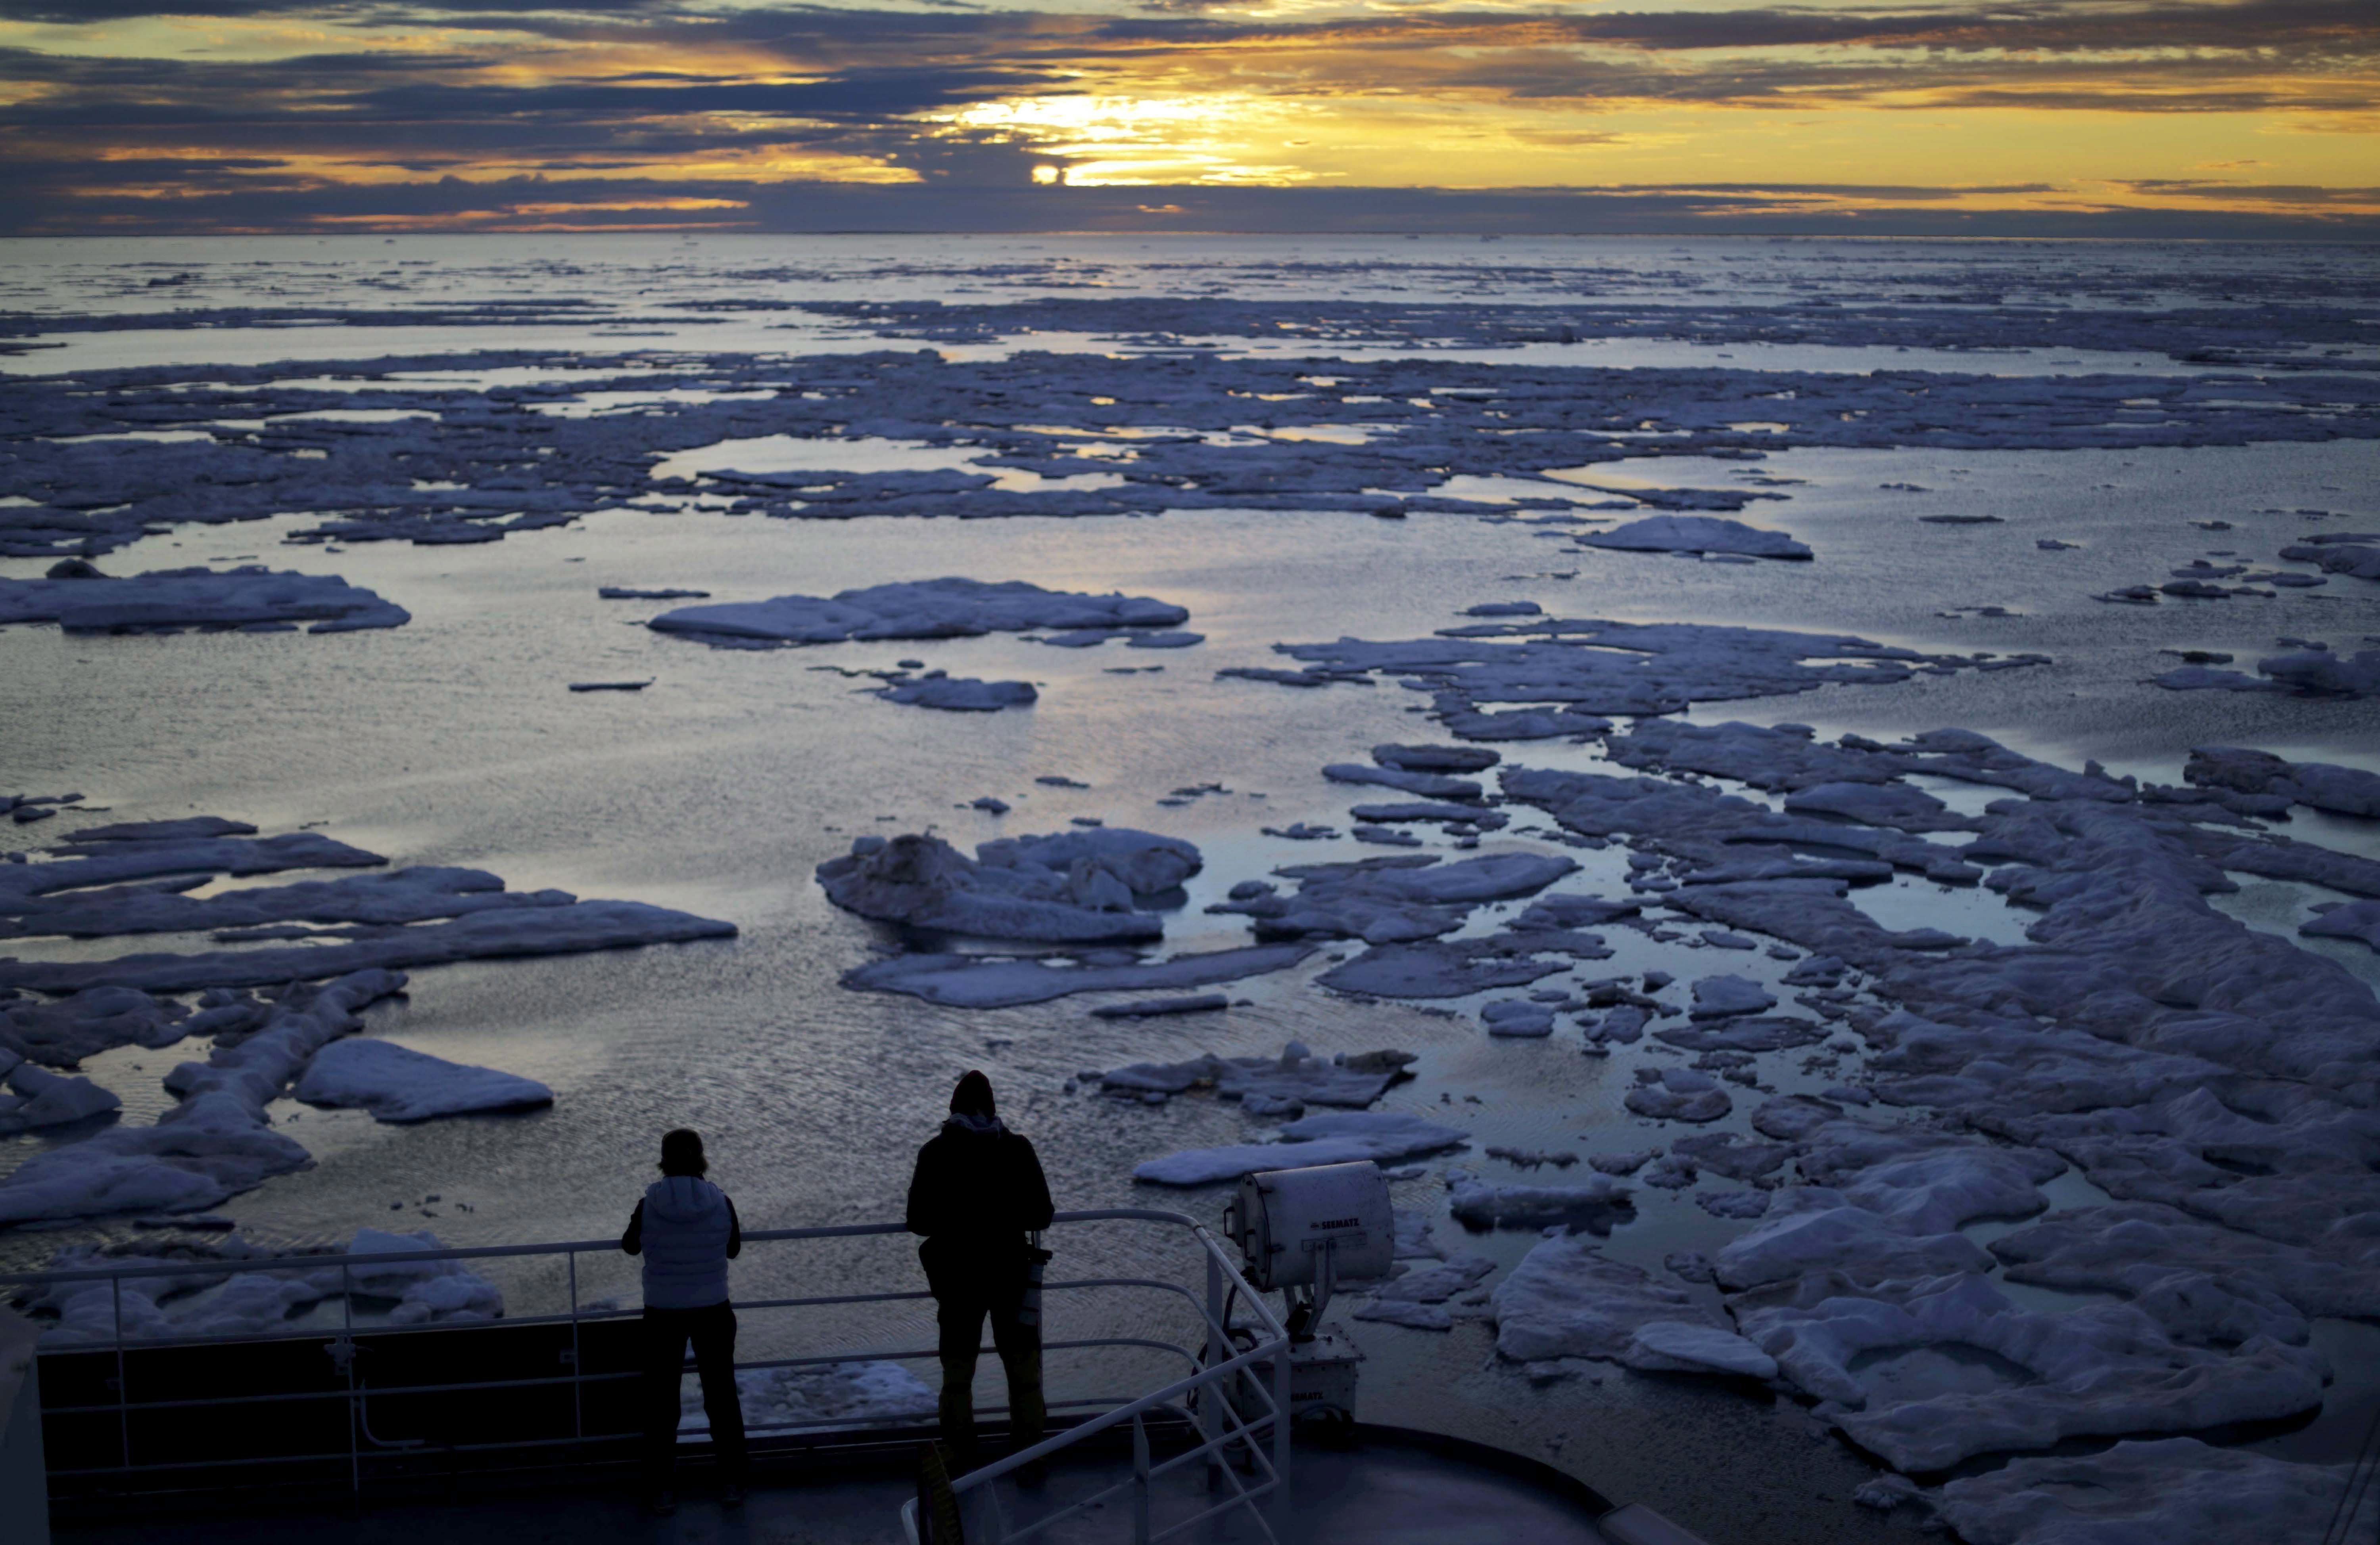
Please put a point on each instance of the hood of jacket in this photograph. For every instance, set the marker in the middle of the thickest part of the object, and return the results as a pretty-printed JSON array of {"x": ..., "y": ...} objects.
[{"x": 685, "y": 1199}]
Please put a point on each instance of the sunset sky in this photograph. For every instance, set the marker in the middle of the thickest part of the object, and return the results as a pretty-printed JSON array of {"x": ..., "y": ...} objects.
[{"x": 2057, "y": 116}]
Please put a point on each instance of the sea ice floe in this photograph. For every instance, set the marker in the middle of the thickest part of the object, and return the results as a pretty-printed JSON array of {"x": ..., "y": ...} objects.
[
  {"x": 998, "y": 982},
  {"x": 2171, "y": 1491},
  {"x": 1717, "y": 997},
  {"x": 1594, "y": 1206},
  {"x": 396, "y": 1083},
  {"x": 1810, "y": 1230},
  {"x": 2317, "y": 785},
  {"x": 1677, "y": 1094},
  {"x": 2130, "y": 1247},
  {"x": 2339, "y": 553},
  {"x": 218, "y": 1140},
  {"x": 509, "y": 932},
  {"x": 1429, "y": 785},
  {"x": 1702, "y": 533},
  {"x": 1074, "y": 887},
  {"x": 959, "y": 695},
  {"x": 819, "y": 1398},
  {"x": 249, "y": 597},
  {"x": 1516, "y": 1018},
  {"x": 1417, "y": 1299},
  {"x": 1393, "y": 899},
  {"x": 1567, "y": 1299},
  {"x": 2346, "y": 919},
  {"x": 1876, "y": 1360},
  {"x": 228, "y": 1298},
  {"x": 949, "y": 607},
  {"x": 1593, "y": 668},
  {"x": 1296, "y": 1077},
  {"x": 44, "y": 1099},
  {"x": 1334, "y": 1137}
]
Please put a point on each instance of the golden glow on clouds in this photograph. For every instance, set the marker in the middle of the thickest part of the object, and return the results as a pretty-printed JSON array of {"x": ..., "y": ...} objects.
[{"x": 1276, "y": 93}]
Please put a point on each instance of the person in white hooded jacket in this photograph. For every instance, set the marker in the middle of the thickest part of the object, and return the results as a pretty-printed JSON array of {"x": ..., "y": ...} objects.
[{"x": 687, "y": 1230}]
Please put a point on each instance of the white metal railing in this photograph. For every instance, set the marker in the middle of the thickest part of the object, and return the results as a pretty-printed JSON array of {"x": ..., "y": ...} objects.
[{"x": 1222, "y": 1378}]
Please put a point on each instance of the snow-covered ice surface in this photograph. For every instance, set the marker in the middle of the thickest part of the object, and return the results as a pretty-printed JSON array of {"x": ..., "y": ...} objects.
[
  {"x": 398, "y": 1084},
  {"x": 165, "y": 600},
  {"x": 2052, "y": 1055}
]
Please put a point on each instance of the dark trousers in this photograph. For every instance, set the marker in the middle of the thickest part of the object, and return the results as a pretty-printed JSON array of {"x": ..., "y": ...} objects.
[
  {"x": 713, "y": 1330},
  {"x": 962, "y": 1306}
]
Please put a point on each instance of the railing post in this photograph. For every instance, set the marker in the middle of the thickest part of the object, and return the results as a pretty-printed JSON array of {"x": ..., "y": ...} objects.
[
  {"x": 1139, "y": 1481},
  {"x": 1211, "y": 1397},
  {"x": 1280, "y": 1439},
  {"x": 354, "y": 1414},
  {"x": 577, "y": 1363},
  {"x": 123, "y": 1380}
]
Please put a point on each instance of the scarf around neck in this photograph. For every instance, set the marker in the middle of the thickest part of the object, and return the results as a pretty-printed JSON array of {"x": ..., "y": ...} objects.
[{"x": 968, "y": 1121}]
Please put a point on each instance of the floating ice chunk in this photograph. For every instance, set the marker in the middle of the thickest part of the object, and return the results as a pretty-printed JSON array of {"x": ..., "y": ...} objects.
[
  {"x": 1484, "y": 1204},
  {"x": 629, "y": 593},
  {"x": 1806, "y": 1235},
  {"x": 247, "y": 597},
  {"x": 513, "y": 930},
  {"x": 1566, "y": 1299},
  {"x": 1436, "y": 786},
  {"x": 1937, "y": 1191},
  {"x": 1163, "y": 639},
  {"x": 1436, "y": 758},
  {"x": 1335, "y": 1137},
  {"x": 2339, "y": 553},
  {"x": 836, "y": 1396},
  {"x": 1677, "y": 1094},
  {"x": 1442, "y": 967},
  {"x": 1624, "y": 1025},
  {"x": 960, "y": 694},
  {"x": 1890, "y": 804},
  {"x": 217, "y": 1141},
  {"x": 398, "y": 1084},
  {"x": 2174, "y": 1492},
  {"x": 92, "y": 1021},
  {"x": 1622, "y": 1164},
  {"x": 44, "y": 1099},
  {"x": 1516, "y": 1017},
  {"x": 1702, "y": 533},
  {"x": 1469, "y": 816},
  {"x": 1392, "y": 901},
  {"x": 1677, "y": 1345},
  {"x": 425, "y": 1290},
  {"x": 191, "y": 829},
  {"x": 1296, "y": 1077},
  {"x": 1080, "y": 887},
  {"x": 1416, "y": 1299},
  {"x": 1759, "y": 1034},
  {"x": 2351, "y": 920},
  {"x": 950, "y": 608},
  {"x": 2131, "y": 1247},
  {"x": 2100, "y": 1370},
  {"x": 990, "y": 982},
  {"x": 2345, "y": 790},
  {"x": 1732, "y": 1204},
  {"x": 1720, "y": 997},
  {"x": 1146, "y": 863}
]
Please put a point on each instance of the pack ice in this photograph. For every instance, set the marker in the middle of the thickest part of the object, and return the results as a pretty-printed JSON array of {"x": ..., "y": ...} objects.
[
  {"x": 210, "y": 1290},
  {"x": 250, "y": 597},
  {"x": 1068, "y": 887},
  {"x": 948, "y": 608}
]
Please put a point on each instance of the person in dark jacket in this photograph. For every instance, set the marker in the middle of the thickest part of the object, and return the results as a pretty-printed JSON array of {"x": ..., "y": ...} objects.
[
  {"x": 977, "y": 1190},
  {"x": 687, "y": 1230}
]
